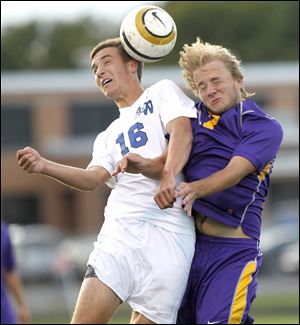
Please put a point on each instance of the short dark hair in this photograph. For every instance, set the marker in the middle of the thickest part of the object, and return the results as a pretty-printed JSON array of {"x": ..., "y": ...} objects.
[{"x": 116, "y": 42}]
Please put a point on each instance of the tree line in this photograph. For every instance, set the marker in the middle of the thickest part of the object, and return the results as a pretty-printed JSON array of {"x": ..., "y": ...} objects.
[{"x": 254, "y": 30}]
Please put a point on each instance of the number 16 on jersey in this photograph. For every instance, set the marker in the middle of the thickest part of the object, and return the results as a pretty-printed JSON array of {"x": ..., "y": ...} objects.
[{"x": 137, "y": 138}]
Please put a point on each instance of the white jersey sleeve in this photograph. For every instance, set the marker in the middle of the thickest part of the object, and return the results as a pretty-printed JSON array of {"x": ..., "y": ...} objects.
[
  {"x": 101, "y": 155},
  {"x": 173, "y": 102}
]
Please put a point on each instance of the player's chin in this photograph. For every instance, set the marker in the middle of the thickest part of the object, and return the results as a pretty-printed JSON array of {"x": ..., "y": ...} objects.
[
  {"x": 106, "y": 91},
  {"x": 217, "y": 107},
  {"x": 109, "y": 93}
]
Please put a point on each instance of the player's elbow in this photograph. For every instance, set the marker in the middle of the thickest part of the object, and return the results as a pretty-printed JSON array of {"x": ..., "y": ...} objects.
[
  {"x": 91, "y": 184},
  {"x": 94, "y": 178},
  {"x": 90, "y": 187}
]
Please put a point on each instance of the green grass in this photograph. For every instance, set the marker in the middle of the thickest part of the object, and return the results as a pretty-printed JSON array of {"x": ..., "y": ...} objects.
[
  {"x": 267, "y": 309},
  {"x": 268, "y": 318},
  {"x": 276, "y": 301},
  {"x": 260, "y": 319},
  {"x": 276, "y": 309},
  {"x": 277, "y": 319}
]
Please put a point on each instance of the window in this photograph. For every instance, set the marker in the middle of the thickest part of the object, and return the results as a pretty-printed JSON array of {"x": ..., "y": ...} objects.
[
  {"x": 284, "y": 199},
  {"x": 21, "y": 210},
  {"x": 16, "y": 127},
  {"x": 91, "y": 117}
]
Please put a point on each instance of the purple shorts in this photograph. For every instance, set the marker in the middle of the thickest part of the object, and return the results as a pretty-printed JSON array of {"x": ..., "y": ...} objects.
[
  {"x": 7, "y": 314},
  {"x": 223, "y": 281}
]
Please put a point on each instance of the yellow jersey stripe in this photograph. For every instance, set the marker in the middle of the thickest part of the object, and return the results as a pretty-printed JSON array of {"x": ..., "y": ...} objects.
[
  {"x": 265, "y": 171},
  {"x": 240, "y": 296}
]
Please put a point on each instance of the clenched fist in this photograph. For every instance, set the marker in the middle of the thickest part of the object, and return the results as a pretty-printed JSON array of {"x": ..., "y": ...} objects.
[{"x": 30, "y": 160}]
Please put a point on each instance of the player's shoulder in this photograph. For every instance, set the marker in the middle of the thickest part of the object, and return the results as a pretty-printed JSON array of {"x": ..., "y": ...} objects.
[
  {"x": 255, "y": 115},
  {"x": 163, "y": 84},
  {"x": 250, "y": 109},
  {"x": 103, "y": 135}
]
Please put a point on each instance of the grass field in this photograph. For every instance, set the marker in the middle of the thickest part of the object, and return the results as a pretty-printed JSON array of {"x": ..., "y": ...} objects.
[
  {"x": 270, "y": 312},
  {"x": 276, "y": 309},
  {"x": 267, "y": 309}
]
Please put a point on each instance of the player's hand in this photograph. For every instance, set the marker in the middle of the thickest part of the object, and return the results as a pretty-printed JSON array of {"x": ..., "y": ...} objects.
[
  {"x": 165, "y": 195},
  {"x": 188, "y": 192},
  {"x": 131, "y": 163},
  {"x": 24, "y": 315},
  {"x": 30, "y": 160}
]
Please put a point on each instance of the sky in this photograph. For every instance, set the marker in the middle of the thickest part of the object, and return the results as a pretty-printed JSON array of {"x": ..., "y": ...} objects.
[{"x": 16, "y": 12}]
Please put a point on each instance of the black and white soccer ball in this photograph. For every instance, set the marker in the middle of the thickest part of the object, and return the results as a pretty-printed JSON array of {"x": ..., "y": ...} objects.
[{"x": 148, "y": 33}]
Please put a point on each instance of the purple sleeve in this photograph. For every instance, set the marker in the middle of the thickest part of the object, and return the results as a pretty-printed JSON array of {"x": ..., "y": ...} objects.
[
  {"x": 261, "y": 138},
  {"x": 7, "y": 259}
]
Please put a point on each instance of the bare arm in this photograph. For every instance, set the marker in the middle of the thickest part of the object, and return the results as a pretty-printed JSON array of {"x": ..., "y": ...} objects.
[
  {"x": 232, "y": 174},
  {"x": 179, "y": 148},
  {"x": 79, "y": 178},
  {"x": 15, "y": 286},
  {"x": 136, "y": 164}
]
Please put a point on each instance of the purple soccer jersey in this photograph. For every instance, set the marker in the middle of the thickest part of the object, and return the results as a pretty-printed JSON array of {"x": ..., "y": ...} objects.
[
  {"x": 7, "y": 264},
  {"x": 246, "y": 131},
  {"x": 223, "y": 278}
]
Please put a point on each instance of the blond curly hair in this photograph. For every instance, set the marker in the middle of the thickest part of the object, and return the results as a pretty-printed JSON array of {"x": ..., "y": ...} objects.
[{"x": 199, "y": 53}]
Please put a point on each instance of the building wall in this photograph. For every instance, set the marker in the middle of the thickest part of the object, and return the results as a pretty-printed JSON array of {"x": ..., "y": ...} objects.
[{"x": 31, "y": 198}]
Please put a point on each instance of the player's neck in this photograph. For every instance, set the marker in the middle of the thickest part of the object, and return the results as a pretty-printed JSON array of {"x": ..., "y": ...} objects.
[{"x": 128, "y": 98}]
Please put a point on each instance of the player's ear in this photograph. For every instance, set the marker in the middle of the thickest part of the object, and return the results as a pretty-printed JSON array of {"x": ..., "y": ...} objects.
[
  {"x": 240, "y": 81},
  {"x": 133, "y": 66}
]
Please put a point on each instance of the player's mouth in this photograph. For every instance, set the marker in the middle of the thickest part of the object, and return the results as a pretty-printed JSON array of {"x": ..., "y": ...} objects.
[
  {"x": 105, "y": 82},
  {"x": 216, "y": 101}
]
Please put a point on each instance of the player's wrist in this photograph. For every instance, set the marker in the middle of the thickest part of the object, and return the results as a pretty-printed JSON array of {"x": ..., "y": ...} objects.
[
  {"x": 149, "y": 164},
  {"x": 168, "y": 173},
  {"x": 44, "y": 167}
]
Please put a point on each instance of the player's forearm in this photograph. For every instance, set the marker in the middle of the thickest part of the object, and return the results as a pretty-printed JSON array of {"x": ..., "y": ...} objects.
[
  {"x": 231, "y": 175},
  {"x": 154, "y": 167},
  {"x": 179, "y": 148},
  {"x": 74, "y": 177},
  {"x": 15, "y": 286},
  {"x": 217, "y": 182}
]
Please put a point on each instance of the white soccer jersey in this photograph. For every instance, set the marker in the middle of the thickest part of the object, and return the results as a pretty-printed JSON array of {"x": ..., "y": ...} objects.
[{"x": 141, "y": 129}]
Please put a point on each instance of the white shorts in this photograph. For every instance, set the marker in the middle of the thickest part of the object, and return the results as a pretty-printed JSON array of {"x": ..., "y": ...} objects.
[{"x": 145, "y": 265}]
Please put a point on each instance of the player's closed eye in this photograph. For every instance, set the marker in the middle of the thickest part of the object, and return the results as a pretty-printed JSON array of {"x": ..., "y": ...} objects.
[{"x": 105, "y": 63}]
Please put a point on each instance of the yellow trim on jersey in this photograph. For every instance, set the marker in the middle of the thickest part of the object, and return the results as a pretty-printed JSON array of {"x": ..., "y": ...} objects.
[
  {"x": 240, "y": 296},
  {"x": 212, "y": 123},
  {"x": 146, "y": 35},
  {"x": 265, "y": 171}
]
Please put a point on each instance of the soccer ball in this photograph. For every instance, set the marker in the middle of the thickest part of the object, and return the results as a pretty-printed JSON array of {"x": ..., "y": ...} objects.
[{"x": 148, "y": 33}]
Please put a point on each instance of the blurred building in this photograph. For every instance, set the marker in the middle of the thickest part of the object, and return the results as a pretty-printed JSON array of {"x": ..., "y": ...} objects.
[{"x": 60, "y": 113}]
